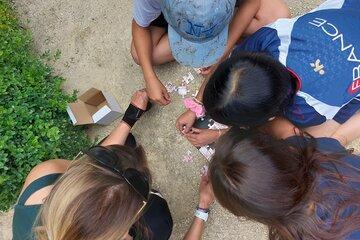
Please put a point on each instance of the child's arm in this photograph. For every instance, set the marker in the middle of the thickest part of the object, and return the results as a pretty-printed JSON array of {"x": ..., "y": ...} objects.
[
  {"x": 119, "y": 135},
  {"x": 244, "y": 15},
  {"x": 207, "y": 198},
  {"x": 348, "y": 131},
  {"x": 143, "y": 45},
  {"x": 345, "y": 133}
]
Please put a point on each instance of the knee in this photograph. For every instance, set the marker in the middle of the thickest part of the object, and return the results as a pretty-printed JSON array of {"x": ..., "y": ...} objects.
[
  {"x": 134, "y": 54},
  {"x": 283, "y": 11}
]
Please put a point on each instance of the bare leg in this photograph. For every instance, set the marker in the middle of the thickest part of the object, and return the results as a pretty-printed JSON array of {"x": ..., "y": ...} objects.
[
  {"x": 161, "y": 49},
  {"x": 162, "y": 52},
  {"x": 269, "y": 12}
]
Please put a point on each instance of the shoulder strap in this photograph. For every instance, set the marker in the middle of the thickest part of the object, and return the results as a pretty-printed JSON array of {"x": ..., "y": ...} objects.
[
  {"x": 36, "y": 185},
  {"x": 153, "y": 192}
]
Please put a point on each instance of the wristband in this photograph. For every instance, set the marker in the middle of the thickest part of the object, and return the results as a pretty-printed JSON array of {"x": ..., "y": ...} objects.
[
  {"x": 205, "y": 210},
  {"x": 202, "y": 215},
  {"x": 132, "y": 114},
  {"x": 195, "y": 106}
]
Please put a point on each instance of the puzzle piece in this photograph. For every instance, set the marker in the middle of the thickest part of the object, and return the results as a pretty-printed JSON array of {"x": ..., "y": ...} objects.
[
  {"x": 170, "y": 87},
  {"x": 207, "y": 152},
  {"x": 195, "y": 94},
  {"x": 183, "y": 91},
  {"x": 204, "y": 170},
  {"x": 188, "y": 78},
  {"x": 188, "y": 157},
  {"x": 216, "y": 126},
  {"x": 197, "y": 70}
]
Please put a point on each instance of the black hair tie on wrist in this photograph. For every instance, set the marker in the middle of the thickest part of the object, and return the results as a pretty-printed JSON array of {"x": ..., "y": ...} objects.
[{"x": 133, "y": 113}]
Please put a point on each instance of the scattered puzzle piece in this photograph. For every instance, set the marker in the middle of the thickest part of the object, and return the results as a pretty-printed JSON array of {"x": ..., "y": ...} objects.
[
  {"x": 195, "y": 94},
  {"x": 216, "y": 126},
  {"x": 204, "y": 170},
  {"x": 207, "y": 152},
  {"x": 188, "y": 157},
  {"x": 183, "y": 91},
  {"x": 188, "y": 78},
  {"x": 170, "y": 87},
  {"x": 197, "y": 70}
]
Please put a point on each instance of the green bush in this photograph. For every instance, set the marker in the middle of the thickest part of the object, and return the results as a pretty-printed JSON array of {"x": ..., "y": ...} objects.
[{"x": 34, "y": 125}]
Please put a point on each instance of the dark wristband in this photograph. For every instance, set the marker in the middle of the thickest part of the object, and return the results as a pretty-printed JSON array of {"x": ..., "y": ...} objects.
[{"x": 132, "y": 114}]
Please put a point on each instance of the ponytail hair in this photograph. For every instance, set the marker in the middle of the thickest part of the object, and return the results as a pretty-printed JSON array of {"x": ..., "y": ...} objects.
[
  {"x": 281, "y": 185},
  {"x": 248, "y": 89}
]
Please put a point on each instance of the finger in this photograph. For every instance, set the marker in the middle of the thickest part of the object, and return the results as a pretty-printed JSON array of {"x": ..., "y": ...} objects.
[
  {"x": 145, "y": 95},
  {"x": 205, "y": 71},
  {"x": 196, "y": 130},
  {"x": 194, "y": 143},
  {"x": 205, "y": 177},
  {"x": 178, "y": 126},
  {"x": 167, "y": 96},
  {"x": 191, "y": 137},
  {"x": 186, "y": 128},
  {"x": 166, "y": 101},
  {"x": 163, "y": 101}
]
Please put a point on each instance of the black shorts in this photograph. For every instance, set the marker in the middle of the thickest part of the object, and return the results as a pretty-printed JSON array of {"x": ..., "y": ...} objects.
[{"x": 160, "y": 22}]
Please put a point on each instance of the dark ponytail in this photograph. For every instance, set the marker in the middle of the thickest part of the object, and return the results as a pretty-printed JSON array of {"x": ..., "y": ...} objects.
[{"x": 248, "y": 89}]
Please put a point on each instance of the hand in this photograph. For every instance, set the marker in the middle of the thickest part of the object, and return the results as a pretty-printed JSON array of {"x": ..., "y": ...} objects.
[
  {"x": 209, "y": 70},
  {"x": 157, "y": 92},
  {"x": 186, "y": 121},
  {"x": 206, "y": 193},
  {"x": 140, "y": 99},
  {"x": 202, "y": 137}
]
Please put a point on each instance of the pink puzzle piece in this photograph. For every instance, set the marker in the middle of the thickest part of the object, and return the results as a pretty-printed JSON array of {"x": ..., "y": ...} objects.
[{"x": 188, "y": 157}]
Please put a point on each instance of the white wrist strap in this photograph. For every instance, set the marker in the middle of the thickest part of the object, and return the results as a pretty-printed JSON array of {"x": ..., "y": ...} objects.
[{"x": 202, "y": 215}]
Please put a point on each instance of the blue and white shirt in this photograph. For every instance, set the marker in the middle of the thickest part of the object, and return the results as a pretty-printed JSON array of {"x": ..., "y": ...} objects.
[{"x": 322, "y": 48}]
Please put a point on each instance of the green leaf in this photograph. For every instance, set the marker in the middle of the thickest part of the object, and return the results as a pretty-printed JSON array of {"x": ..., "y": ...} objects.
[{"x": 34, "y": 125}]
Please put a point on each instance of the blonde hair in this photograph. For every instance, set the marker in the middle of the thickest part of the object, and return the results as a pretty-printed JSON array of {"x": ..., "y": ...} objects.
[{"x": 91, "y": 202}]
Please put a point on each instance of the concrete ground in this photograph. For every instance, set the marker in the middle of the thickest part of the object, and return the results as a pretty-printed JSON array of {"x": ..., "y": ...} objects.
[{"x": 94, "y": 39}]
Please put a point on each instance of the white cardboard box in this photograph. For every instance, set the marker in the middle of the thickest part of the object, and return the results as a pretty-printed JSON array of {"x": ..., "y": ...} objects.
[{"x": 94, "y": 107}]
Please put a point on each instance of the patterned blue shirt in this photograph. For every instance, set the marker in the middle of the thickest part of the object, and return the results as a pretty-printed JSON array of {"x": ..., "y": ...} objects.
[{"x": 322, "y": 48}]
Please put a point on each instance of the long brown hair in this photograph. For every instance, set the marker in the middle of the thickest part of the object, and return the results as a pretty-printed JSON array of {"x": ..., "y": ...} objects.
[
  {"x": 286, "y": 186},
  {"x": 90, "y": 202}
]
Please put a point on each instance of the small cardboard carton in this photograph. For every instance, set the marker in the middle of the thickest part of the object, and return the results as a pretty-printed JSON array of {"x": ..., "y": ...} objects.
[{"x": 94, "y": 107}]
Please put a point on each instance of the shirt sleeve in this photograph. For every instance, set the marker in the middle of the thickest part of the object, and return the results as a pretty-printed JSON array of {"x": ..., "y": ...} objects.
[
  {"x": 146, "y": 11},
  {"x": 353, "y": 4},
  {"x": 338, "y": 4},
  {"x": 348, "y": 110},
  {"x": 264, "y": 40}
]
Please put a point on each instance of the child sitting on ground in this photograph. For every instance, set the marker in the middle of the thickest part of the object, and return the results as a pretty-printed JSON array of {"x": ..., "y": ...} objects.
[{"x": 207, "y": 32}]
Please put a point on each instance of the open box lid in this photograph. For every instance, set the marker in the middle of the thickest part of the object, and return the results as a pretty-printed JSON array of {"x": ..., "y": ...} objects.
[
  {"x": 92, "y": 97},
  {"x": 94, "y": 106}
]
